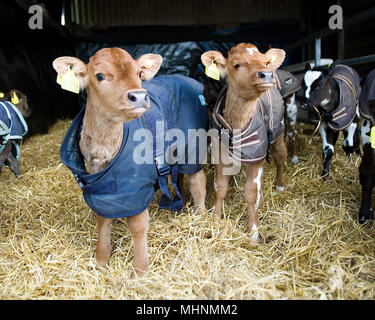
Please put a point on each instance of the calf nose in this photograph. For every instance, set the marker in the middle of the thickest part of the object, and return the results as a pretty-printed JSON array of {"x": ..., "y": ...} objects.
[
  {"x": 266, "y": 76},
  {"x": 138, "y": 99}
]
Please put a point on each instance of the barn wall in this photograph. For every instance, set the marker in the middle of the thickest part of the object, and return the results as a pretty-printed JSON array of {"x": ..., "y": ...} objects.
[
  {"x": 358, "y": 39},
  {"x": 26, "y": 58},
  {"x": 181, "y": 12}
]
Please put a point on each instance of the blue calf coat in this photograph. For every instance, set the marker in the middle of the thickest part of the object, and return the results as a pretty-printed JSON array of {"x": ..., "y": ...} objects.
[
  {"x": 125, "y": 188},
  {"x": 13, "y": 127}
]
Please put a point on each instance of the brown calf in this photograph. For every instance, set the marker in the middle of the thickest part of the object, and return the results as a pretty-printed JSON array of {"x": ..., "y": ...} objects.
[
  {"x": 22, "y": 105},
  {"x": 249, "y": 75},
  {"x": 114, "y": 96}
]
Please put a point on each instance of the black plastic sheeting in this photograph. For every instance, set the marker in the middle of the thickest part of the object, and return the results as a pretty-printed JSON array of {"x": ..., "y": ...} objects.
[{"x": 178, "y": 57}]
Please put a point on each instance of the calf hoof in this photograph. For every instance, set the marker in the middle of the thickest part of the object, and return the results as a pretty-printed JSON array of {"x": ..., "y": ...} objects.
[
  {"x": 348, "y": 151},
  {"x": 295, "y": 160},
  {"x": 102, "y": 262},
  {"x": 102, "y": 257},
  {"x": 280, "y": 189},
  {"x": 140, "y": 272},
  {"x": 325, "y": 176},
  {"x": 255, "y": 237},
  {"x": 216, "y": 215},
  {"x": 366, "y": 216},
  {"x": 201, "y": 210}
]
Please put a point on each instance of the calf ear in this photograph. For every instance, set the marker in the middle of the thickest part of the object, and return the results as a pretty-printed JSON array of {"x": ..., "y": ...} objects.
[
  {"x": 308, "y": 67},
  {"x": 150, "y": 64},
  {"x": 276, "y": 58},
  {"x": 331, "y": 68},
  {"x": 62, "y": 64},
  {"x": 22, "y": 104},
  {"x": 216, "y": 56}
]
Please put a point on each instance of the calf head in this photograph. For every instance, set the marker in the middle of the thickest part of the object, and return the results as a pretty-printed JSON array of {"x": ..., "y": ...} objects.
[
  {"x": 320, "y": 90},
  {"x": 113, "y": 81},
  {"x": 21, "y": 104},
  {"x": 248, "y": 72}
]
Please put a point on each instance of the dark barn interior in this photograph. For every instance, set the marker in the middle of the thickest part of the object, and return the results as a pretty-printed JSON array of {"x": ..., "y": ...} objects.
[{"x": 171, "y": 28}]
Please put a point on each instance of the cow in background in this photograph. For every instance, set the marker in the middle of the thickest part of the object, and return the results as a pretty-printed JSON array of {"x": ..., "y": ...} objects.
[
  {"x": 367, "y": 167},
  {"x": 333, "y": 94},
  {"x": 13, "y": 109}
]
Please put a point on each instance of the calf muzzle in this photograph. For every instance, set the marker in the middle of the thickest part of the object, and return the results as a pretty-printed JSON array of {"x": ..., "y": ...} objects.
[
  {"x": 266, "y": 77},
  {"x": 138, "y": 98}
]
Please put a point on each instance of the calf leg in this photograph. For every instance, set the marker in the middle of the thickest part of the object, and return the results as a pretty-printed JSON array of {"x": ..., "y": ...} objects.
[
  {"x": 180, "y": 183},
  {"x": 291, "y": 117},
  {"x": 13, "y": 164},
  {"x": 103, "y": 246},
  {"x": 366, "y": 212},
  {"x": 138, "y": 226},
  {"x": 351, "y": 141},
  {"x": 357, "y": 134},
  {"x": 280, "y": 154},
  {"x": 221, "y": 184},
  {"x": 198, "y": 190},
  {"x": 4, "y": 155},
  {"x": 253, "y": 194},
  {"x": 367, "y": 179},
  {"x": 329, "y": 139}
]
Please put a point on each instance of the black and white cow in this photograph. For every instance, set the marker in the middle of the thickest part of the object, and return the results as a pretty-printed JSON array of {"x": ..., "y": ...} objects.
[
  {"x": 333, "y": 93},
  {"x": 367, "y": 168}
]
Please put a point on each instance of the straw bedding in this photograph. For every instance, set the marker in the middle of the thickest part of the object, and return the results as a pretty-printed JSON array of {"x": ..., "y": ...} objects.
[{"x": 313, "y": 247}]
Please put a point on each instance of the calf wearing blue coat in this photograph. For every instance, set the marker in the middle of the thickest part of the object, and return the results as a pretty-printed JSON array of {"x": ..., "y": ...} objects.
[{"x": 102, "y": 139}]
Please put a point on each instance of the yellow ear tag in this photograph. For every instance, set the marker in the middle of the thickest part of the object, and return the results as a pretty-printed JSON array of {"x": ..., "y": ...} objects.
[
  {"x": 148, "y": 64},
  {"x": 70, "y": 82},
  {"x": 272, "y": 60},
  {"x": 213, "y": 72},
  {"x": 2, "y": 95},
  {"x": 59, "y": 79},
  {"x": 15, "y": 99},
  {"x": 372, "y": 138}
]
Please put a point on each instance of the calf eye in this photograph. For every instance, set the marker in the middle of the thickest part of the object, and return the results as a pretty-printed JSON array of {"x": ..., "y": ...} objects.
[
  {"x": 237, "y": 66},
  {"x": 100, "y": 77}
]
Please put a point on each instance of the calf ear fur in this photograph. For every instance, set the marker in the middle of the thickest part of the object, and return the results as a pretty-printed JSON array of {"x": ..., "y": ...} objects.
[
  {"x": 276, "y": 57},
  {"x": 150, "y": 65},
  {"x": 221, "y": 63},
  {"x": 62, "y": 64}
]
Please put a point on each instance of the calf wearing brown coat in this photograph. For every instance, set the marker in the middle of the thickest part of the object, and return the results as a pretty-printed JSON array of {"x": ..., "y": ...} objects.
[{"x": 249, "y": 74}]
